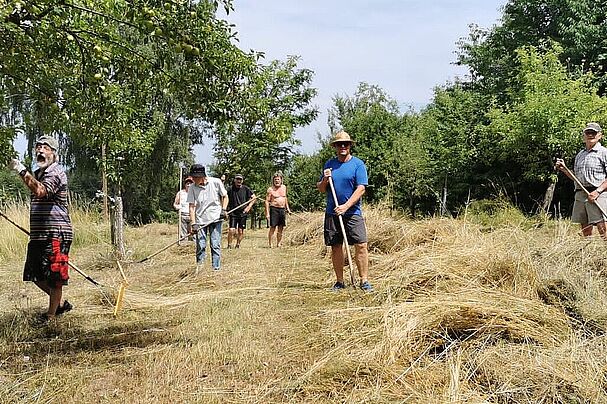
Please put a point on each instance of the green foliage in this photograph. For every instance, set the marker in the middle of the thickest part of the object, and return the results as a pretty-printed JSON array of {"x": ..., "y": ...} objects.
[
  {"x": 12, "y": 188},
  {"x": 578, "y": 25},
  {"x": 495, "y": 213},
  {"x": 451, "y": 130},
  {"x": 259, "y": 139},
  {"x": 547, "y": 115},
  {"x": 130, "y": 86},
  {"x": 303, "y": 174}
]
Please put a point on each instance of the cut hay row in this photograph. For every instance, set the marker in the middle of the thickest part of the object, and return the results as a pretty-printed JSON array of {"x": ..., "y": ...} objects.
[{"x": 463, "y": 312}]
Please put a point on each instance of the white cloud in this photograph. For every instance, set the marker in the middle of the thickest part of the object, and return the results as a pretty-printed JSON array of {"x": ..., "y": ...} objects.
[{"x": 407, "y": 47}]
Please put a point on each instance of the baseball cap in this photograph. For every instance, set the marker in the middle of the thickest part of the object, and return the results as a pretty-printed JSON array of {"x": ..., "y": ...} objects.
[
  {"x": 49, "y": 141},
  {"x": 238, "y": 177},
  {"x": 593, "y": 126}
]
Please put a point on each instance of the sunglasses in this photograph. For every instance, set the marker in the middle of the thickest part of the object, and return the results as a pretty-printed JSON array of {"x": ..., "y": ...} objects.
[{"x": 343, "y": 144}]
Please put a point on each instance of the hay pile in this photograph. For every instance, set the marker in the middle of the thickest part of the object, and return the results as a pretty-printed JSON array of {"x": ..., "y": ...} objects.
[{"x": 463, "y": 314}]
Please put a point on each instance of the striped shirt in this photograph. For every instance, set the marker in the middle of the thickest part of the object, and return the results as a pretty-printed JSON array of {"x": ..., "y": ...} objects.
[{"x": 49, "y": 216}]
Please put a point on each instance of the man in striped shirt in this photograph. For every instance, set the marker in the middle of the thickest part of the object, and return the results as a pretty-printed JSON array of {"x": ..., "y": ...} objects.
[
  {"x": 590, "y": 169},
  {"x": 50, "y": 227}
]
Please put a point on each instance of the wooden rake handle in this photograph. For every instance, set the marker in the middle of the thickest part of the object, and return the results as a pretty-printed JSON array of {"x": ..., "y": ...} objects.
[
  {"x": 343, "y": 232},
  {"x": 585, "y": 190}
]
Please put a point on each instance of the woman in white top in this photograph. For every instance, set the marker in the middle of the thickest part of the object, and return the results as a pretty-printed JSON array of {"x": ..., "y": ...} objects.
[{"x": 183, "y": 207}]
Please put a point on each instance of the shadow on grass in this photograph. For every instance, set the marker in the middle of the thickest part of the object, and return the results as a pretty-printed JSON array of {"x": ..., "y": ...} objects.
[
  {"x": 22, "y": 333},
  {"x": 303, "y": 285}
]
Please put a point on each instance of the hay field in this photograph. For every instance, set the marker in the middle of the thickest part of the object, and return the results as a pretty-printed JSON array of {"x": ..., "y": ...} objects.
[{"x": 463, "y": 312}]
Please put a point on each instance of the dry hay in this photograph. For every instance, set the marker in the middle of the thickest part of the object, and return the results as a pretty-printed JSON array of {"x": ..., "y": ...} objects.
[
  {"x": 460, "y": 259},
  {"x": 431, "y": 324},
  {"x": 573, "y": 371},
  {"x": 404, "y": 347},
  {"x": 305, "y": 228}
]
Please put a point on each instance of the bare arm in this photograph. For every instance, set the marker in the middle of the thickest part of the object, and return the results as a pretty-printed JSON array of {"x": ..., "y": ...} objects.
[
  {"x": 177, "y": 202},
  {"x": 287, "y": 202},
  {"x": 34, "y": 185},
  {"x": 324, "y": 182},
  {"x": 250, "y": 205},
  {"x": 267, "y": 202},
  {"x": 193, "y": 212},
  {"x": 358, "y": 193}
]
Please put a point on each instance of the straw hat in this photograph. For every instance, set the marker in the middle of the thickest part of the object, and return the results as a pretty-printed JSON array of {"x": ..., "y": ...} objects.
[{"x": 341, "y": 137}]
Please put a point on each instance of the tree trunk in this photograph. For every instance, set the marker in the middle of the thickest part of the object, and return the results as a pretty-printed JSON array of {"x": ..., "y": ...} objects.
[
  {"x": 104, "y": 184},
  {"x": 548, "y": 197},
  {"x": 118, "y": 228}
]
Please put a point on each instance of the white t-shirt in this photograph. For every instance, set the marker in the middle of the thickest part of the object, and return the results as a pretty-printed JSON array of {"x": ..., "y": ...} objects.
[
  {"x": 207, "y": 199},
  {"x": 184, "y": 206}
]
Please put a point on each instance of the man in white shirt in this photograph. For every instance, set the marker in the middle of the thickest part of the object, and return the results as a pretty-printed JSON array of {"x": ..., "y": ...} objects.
[{"x": 208, "y": 200}]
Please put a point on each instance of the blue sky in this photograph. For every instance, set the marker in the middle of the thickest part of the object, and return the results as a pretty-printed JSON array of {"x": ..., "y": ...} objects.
[{"x": 406, "y": 47}]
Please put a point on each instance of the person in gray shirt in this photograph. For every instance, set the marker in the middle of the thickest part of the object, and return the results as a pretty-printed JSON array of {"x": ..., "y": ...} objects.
[
  {"x": 208, "y": 200},
  {"x": 590, "y": 169}
]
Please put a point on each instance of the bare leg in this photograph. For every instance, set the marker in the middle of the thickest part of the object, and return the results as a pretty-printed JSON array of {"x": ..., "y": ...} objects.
[
  {"x": 54, "y": 294},
  {"x": 54, "y": 300},
  {"x": 270, "y": 235},
  {"x": 362, "y": 261},
  {"x": 337, "y": 258},
  {"x": 230, "y": 237},
  {"x": 586, "y": 229},
  {"x": 279, "y": 236},
  {"x": 601, "y": 227},
  {"x": 239, "y": 236}
]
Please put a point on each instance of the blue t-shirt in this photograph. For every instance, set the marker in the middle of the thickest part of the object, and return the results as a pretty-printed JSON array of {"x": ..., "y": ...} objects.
[{"x": 346, "y": 178}]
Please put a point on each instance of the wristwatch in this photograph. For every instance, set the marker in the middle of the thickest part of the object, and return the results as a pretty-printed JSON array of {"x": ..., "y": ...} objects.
[{"x": 22, "y": 173}]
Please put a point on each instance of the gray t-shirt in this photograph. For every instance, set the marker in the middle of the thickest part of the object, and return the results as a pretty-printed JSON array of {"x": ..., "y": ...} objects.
[{"x": 207, "y": 200}]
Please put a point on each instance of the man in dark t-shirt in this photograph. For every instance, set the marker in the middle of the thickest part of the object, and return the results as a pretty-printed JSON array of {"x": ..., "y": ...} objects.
[{"x": 238, "y": 195}]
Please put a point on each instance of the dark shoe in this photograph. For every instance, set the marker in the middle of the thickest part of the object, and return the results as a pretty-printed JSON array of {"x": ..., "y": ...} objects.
[
  {"x": 67, "y": 306},
  {"x": 40, "y": 320},
  {"x": 338, "y": 286},
  {"x": 366, "y": 286}
]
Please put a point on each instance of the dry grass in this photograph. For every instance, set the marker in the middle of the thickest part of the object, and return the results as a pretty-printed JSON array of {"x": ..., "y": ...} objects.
[{"x": 461, "y": 313}]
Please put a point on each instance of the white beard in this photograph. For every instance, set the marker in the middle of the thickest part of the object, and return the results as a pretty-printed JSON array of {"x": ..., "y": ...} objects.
[{"x": 42, "y": 161}]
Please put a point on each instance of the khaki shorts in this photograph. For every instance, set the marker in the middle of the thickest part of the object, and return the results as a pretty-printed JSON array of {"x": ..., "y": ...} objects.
[{"x": 585, "y": 212}]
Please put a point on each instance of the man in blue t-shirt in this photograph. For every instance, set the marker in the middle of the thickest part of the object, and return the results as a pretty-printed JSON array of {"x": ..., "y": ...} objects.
[{"x": 349, "y": 176}]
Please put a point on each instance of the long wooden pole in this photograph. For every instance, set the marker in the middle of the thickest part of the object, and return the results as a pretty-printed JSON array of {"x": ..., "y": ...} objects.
[
  {"x": 242, "y": 204},
  {"x": 163, "y": 249},
  {"x": 88, "y": 278},
  {"x": 343, "y": 232},
  {"x": 585, "y": 190},
  {"x": 180, "y": 188}
]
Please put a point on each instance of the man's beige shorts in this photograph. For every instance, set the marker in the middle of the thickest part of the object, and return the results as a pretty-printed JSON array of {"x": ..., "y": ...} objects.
[{"x": 585, "y": 212}]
